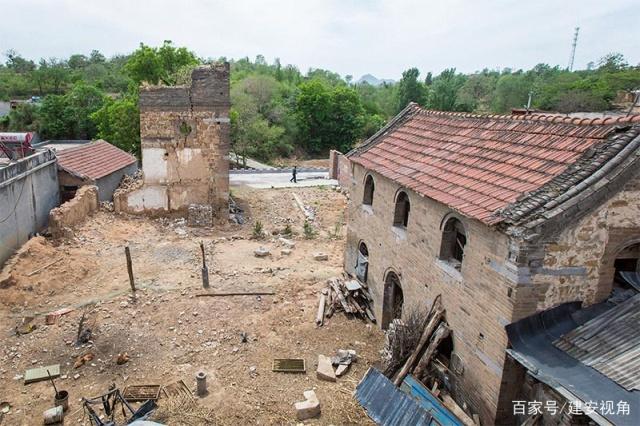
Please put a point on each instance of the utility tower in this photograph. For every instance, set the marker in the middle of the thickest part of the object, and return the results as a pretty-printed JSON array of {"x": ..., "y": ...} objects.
[{"x": 573, "y": 49}]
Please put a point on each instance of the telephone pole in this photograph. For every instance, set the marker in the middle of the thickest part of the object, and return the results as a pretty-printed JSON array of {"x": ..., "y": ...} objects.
[{"x": 573, "y": 49}]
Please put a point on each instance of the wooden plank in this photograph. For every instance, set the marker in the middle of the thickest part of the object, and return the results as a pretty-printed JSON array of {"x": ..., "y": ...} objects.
[
  {"x": 449, "y": 402},
  {"x": 320, "y": 314},
  {"x": 441, "y": 333},
  {"x": 34, "y": 375},
  {"x": 44, "y": 267}
]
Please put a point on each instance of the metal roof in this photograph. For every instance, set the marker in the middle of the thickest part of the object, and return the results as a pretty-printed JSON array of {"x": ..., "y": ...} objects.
[
  {"x": 610, "y": 343},
  {"x": 532, "y": 346}
]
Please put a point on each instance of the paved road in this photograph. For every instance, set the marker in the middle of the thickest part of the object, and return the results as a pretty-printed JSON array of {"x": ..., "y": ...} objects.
[{"x": 280, "y": 180}]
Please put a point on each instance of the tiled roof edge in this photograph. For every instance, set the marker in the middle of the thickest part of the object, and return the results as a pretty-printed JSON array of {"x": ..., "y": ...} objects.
[
  {"x": 409, "y": 110},
  {"x": 539, "y": 117},
  {"x": 539, "y": 206}
]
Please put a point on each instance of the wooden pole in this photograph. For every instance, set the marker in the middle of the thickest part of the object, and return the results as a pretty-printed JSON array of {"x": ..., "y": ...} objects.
[
  {"x": 127, "y": 252},
  {"x": 205, "y": 270},
  {"x": 435, "y": 315}
]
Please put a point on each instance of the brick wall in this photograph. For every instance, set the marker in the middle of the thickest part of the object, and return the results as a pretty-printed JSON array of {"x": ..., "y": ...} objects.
[
  {"x": 340, "y": 169},
  {"x": 73, "y": 211},
  {"x": 476, "y": 298},
  {"x": 185, "y": 137}
]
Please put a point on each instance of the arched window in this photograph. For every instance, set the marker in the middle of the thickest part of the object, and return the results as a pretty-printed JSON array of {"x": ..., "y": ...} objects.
[
  {"x": 369, "y": 187},
  {"x": 454, "y": 238},
  {"x": 362, "y": 265},
  {"x": 393, "y": 299},
  {"x": 401, "y": 214}
]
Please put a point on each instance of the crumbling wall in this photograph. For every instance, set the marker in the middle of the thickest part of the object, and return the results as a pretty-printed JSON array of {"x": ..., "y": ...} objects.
[
  {"x": 340, "y": 169},
  {"x": 579, "y": 261},
  {"x": 476, "y": 298},
  {"x": 185, "y": 137},
  {"x": 28, "y": 191},
  {"x": 73, "y": 211}
]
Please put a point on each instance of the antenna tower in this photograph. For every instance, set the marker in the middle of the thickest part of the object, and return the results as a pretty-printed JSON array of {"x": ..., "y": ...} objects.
[{"x": 573, "y": 49}]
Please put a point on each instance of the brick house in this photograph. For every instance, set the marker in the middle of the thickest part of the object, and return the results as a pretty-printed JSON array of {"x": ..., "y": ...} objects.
[{"x": 504, "y": 216}]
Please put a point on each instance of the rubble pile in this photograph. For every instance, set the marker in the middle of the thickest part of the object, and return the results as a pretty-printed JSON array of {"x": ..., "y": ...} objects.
[{"x": 350, "y": 296}]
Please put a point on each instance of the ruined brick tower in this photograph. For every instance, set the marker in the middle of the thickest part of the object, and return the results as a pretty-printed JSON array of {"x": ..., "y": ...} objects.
[{"x": 184, "y": 132}]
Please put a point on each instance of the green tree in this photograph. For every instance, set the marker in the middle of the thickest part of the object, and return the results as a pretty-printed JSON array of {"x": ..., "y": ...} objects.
[
  {"x": 443, "y": 94},
  {"x": 54, "y": 118},
  {"x": 158, "y": 65},
  {"x": 328, "y": 117},
  {"x": 118, "y": 122},
  {"x": 409, "y": 89}
]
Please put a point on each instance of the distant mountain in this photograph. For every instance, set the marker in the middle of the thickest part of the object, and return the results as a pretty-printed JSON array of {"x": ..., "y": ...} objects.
[{"x": 372, "y": 80}]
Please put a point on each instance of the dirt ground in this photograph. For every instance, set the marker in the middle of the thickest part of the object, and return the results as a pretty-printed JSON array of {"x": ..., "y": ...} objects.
[{"x": 171, "y": 334}]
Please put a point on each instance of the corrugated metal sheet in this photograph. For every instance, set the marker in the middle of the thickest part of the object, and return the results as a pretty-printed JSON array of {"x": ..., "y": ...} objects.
[
  {"x": 429, "y": 402},
  {"x": 386, "y": 404},
  {"x": 610, "y": 343},
  {"x": 532, "y": 345}
]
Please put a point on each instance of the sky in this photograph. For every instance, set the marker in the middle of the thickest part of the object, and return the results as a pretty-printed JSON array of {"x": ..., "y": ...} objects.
[{"x": 350, "y": 37}]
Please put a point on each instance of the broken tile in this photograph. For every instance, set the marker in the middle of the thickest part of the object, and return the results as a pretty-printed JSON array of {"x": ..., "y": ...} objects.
[{"x": 325, "y": 369}]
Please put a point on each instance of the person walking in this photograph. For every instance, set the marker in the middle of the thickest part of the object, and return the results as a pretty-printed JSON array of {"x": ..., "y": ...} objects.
[{"x": 294, "y": 172}]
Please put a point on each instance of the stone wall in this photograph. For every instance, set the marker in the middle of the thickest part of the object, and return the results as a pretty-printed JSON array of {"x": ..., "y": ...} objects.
[
  {"x": 477, "y": 298},
  {"x": 185, "y": 137},
  {"x": 340, "y": 169},
  {"x": 28, "y": 191},
  {"x": 74, "y": 211}
]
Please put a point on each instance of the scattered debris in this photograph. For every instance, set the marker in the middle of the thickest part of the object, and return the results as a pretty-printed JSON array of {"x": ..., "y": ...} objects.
[
  {"x": 325, "y": 369},
  {"x": 83, "y": 359},
  {"x": 309, "y": 408},
  {"x": 320, "y": 256},
  {"x": 34, "y": 375},
  {"x": 177, "y": 389},
  {"x": 356, "y": 302},
  {"x": 243, "y": 337},
  {"x": 200, "y": 215},
  {"x": 238, "y": 293},
  {"x": 261, "y": 252},
  {"x": 290, "y": 244},
  {"x": 84, "y": 334},
  {"x": 52, "y": 317},
  {"x": 26, "y": 326},
  {"x": 53, "y": 415},
  {"x": 122, "y": 358},
  {"x": 139, "y": 393},
  {"x": 109, "y": 402},
  {"x": 289, "y": 365},
  {"x": 342, "y": 369},
  {"x": 235, "y": 212},
  {"x": 321, "y": 305},
  {"x": 285, "y": 252},
  {"x": 44, "y": 267}
]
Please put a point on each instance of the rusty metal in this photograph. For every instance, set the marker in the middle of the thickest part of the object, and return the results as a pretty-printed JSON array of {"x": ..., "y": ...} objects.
[
  {"x": 139, "y": 393},
  {"x": 177, "y": 389},
  {"x": 289, "y": 365}
]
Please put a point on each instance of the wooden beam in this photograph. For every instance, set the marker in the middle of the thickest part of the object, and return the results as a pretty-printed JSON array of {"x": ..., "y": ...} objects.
[
  {"x": 238, "y": 293},
  {"x": 441, "y": 333}
]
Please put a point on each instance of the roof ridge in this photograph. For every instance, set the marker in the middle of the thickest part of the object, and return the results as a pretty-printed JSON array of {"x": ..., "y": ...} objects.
[{"x": 540, "y": 117}]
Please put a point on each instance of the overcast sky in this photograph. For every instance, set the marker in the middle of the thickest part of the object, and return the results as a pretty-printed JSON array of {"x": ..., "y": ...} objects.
[{"x": 381, "y": 37}]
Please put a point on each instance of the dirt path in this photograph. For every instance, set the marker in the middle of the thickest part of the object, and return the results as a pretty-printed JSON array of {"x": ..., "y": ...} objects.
[{"x": 168, "y": 332}]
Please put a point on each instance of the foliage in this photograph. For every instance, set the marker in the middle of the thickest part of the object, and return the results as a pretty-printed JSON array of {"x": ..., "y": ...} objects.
[
  {"x": 258, "y": 231},
  {"x": 308, "y": 230},
  {"x": 117, "y": 122},
  {"x": 409, "y": 89},
  {"x": 443, "y": 93},
  {"x": 328, "y": 117},
  {"x": 158, "y": 65}
]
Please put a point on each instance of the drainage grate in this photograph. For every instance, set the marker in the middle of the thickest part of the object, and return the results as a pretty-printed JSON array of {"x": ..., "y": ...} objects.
[
  {"x": 289, "y": 365},
  {"x": 138, "y": 393}
]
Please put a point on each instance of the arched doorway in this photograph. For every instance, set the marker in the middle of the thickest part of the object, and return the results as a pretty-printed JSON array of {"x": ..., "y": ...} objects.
[
  {"x": 393, "y": 299},
  {"x": 627, "y": 268}
]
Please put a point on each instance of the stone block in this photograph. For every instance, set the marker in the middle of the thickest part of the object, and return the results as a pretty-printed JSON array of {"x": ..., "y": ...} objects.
[
  {"x": 287, "y": 243},
  {"x": 320, "y": 256},
  {"x": 325, "y": 369},
  {"x": 261, "y": 252},
  {"x": 309, "y": 408},
  {"x": 285, "y": 252}
]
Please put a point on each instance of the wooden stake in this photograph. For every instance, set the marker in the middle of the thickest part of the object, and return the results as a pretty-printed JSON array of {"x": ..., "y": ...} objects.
[
  {"x": 320, "y": 314},
  {"x": 205, "y": 269},
  {"x": 127, "y": 252},
  {"x": 441, "y": 333}
]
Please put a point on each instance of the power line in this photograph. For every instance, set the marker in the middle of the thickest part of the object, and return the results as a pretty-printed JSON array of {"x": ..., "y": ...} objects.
[{"x": 573, "y": 49}]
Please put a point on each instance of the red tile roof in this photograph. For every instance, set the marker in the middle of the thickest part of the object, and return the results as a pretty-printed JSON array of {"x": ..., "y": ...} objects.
[
  {"x": 478, "y": 164},
  {"x": 94, "y": 160}
]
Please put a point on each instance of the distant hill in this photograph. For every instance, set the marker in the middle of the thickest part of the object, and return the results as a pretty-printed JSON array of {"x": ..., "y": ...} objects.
[{"x": 372, "y": 80}]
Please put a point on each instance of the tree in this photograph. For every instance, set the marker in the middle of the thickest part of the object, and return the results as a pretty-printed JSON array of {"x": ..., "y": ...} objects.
[
  {"x": 409, "y": 89},
  {"x": 54, "y": 118},
  {"x": 158, "y": 65},
  {"x": 328, "y": 117},
  {"x": 612, "y": 62},
  {"x": 118, "y": 122},
  {"x": 443, "y": 95}
]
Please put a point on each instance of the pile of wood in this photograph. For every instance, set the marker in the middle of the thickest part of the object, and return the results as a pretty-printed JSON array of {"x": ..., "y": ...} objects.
[
  {"x": 435, "y": 330},
  {"x": 347, "y": 295}
]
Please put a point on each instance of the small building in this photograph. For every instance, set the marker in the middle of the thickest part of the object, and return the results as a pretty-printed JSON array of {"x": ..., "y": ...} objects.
[
  {"x": 97, "y": 163},
  {"x": 505, "y": 217}
]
